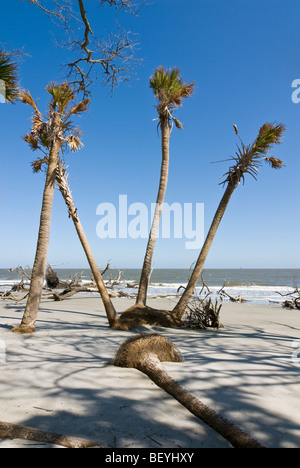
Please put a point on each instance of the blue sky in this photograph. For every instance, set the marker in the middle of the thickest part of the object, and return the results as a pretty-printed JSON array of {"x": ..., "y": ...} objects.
[{"x": 243, "y": 56}]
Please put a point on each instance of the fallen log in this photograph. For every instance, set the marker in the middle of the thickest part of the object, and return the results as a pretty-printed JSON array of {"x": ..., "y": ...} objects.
[
  {"x": 15, "y": 431},
  {"x": 146, "y": 352}
]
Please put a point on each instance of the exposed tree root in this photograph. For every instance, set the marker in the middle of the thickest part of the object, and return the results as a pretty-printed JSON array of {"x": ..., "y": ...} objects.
[
  {"x": 23, "y": 329},
  {"x": 144, "y": 315},
  {"x": 145, "y": 353}
]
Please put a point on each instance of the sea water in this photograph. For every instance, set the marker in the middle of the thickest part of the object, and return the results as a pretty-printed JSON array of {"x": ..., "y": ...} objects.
[{"x": 258, "y": 286}]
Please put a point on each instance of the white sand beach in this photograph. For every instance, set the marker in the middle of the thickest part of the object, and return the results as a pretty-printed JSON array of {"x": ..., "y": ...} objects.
[{"x": 60, "y": 378}]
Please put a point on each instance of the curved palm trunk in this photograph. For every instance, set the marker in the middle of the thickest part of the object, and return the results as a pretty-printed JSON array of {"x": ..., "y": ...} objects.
[
  {"x": 63, "y": 186},
  {"x": 146, "y": 270},
  {"x": 180, "y": 307},
  {"x": 146, "y": 352},
  {"x": 40, "y": 263},
  {"x": 151, "y": 366}
]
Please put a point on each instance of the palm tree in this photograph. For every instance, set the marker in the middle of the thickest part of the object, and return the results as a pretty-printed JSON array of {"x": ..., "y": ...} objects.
[
  {"x": 247, "y": 160},
  {"x": 62, "y": 182},
  {"x": 169, "y": 89},
  {"x": 146, "y": 352},
  {"x": 53, "y": 133},
  {"x": 8, "y": 76}
]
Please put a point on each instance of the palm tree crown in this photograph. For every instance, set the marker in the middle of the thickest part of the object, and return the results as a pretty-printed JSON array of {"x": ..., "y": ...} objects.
[
  {"x": 58, "y": 123},
  {"x": 8, "y": 75},
  {"x": 169, "y": 89},
  {"x": 248, "y": 158}
]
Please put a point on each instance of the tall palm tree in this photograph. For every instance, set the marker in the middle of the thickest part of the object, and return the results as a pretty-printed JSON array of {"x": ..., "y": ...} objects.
[
  {"x": 53, "y": 132},
  {"x": 247, "y": 160},
  {"x": 169, "y": 89},
  {"x": 8, "y": 76}
]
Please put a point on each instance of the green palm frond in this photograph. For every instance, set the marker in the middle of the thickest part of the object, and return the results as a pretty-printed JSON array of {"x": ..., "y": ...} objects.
[
  {"x": 169, "y": 89},
  {"x": 8, "y": 74},
  {"x": 249, "y": 158},
  {"x": 62, "y": 94}
]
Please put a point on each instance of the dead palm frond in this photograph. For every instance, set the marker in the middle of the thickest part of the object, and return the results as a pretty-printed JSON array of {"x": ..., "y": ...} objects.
[
  {"x": 58, "y": 124},
  {"x": 8, "y": 76},
  {"x": 249, "y": 158},
  {"x": 38, "y": 164},
  {"x": 169, "y": 89}
]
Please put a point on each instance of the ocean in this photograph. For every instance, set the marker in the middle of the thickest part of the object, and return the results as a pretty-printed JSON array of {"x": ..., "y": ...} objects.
[{"x": 257, "y": 286}]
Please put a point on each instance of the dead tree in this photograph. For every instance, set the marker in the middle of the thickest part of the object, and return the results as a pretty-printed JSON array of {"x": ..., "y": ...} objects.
[
  {"x": 222, "y": 293},
  {"x": 114, "y": 55},
  {"x": 292, "y": 300},
  {"x": 52, "y": 278},
  {"x": 146, "y": 352},
  {"x": 15, "y": 431}
]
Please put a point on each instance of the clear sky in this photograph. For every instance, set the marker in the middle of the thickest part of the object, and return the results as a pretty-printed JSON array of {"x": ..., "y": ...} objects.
[{"x": 243, "y": 56}]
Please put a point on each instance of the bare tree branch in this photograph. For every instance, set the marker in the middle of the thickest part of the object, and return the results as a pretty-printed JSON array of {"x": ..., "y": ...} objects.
[{"x": 115, "y": 56}]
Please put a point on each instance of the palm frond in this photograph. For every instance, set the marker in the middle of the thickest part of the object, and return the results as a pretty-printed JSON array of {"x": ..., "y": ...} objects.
[
  {"x": 26, "y": 98},
  {"x": 169, "y": 89},
  {"x": 177, "y": 123},
  {"x": 275, "y": 163},
  {"x": 249, "y": 158},
  {"x": 32, "y": 141},
  {"x": 9, "y": 76},
  {"x": 74, "y": 143},
  {"x": 62, "y": 94},
  {"x": 37, "y": 165},
  {"x": 80, "y": 107}
]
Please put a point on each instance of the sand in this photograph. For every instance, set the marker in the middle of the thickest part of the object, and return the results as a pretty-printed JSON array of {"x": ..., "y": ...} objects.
[{"x": 60, "y": 378}]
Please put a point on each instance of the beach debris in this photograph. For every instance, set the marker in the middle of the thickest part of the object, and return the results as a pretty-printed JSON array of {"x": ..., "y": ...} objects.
[
  {"x": 52, "y": 278},
  {"x": 15, "y": 431},
  {"x": 293, "y": 299},
  {"x": 203, "y": 314},
  {"x": 146, "y": 352}
]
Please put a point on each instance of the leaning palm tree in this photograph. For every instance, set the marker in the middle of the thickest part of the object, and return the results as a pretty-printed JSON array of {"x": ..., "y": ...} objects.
[
  {"x": 62, "y": 183},
  {"x": 8, "y": 77},
  {"x": 246, "y": 161},
  {"x": 53, "y": 132},
  {"x": 169, "y": 89}
]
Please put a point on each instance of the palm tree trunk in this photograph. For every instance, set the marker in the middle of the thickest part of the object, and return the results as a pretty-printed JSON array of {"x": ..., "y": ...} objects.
[
  {"x": 180, "y": 307},
  {"x": 63, "y": 186},
  {"x": 151, "y": 366},
  {"x": 146, "y": 270},
  {"x": 40, "y": 263}
]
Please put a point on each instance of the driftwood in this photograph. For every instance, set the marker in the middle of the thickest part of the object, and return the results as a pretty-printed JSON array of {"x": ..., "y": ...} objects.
[
  {"x": 53, "y": 286},
  {"x": 145, "y": 352},
  {"x": 15, "y": 431},
  {"x": 293, "y": 301},
  {"x": 222, "y": 293},
  {"x": 52, "y": 278}
]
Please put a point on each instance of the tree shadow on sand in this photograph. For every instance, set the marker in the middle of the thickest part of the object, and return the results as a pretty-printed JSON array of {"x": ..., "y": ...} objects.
[{"x": 68, "y": 365}]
